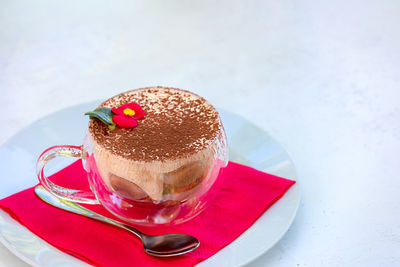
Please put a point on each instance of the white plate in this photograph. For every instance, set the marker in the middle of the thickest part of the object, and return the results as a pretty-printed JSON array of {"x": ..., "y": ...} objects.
[{"x": 247, "y": 143}]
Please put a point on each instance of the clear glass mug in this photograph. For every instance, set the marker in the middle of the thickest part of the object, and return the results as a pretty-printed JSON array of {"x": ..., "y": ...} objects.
[{"x": 173, "y": 208}]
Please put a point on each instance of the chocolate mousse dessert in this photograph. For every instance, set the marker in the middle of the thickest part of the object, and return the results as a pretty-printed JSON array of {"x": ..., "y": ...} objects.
[{"x": 167, "y": 152}]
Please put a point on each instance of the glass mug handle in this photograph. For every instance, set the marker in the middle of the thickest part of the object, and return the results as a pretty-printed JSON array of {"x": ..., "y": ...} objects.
[{"x": 86, "y": 197}]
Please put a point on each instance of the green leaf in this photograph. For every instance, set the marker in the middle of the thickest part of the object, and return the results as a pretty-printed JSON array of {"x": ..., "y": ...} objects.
[{"x": 103, "y": 114}]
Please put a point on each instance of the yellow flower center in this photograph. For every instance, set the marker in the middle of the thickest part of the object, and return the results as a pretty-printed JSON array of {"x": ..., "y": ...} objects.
[{"x": 129, "y": 112}]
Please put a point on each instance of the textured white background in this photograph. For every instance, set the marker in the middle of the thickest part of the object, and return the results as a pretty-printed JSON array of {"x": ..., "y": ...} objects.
[{"x": 321, "y": 77}]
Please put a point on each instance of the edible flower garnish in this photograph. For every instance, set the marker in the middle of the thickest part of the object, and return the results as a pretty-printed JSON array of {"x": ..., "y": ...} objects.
[{"x": 125, "y": 116}]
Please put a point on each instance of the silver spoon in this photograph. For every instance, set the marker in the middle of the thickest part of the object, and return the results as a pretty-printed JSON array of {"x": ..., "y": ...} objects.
[{"x": 159, "y": 245}]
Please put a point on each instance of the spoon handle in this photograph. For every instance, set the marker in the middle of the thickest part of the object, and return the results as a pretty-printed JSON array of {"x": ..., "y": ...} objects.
[{"x": 47, "y": 197}]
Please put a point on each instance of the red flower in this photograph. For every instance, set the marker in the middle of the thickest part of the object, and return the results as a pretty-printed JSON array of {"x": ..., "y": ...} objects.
[{"x": 126, "y": 116}]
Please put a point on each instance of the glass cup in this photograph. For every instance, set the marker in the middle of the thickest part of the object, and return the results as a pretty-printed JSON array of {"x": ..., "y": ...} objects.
[{"x": 127, "y": 201}]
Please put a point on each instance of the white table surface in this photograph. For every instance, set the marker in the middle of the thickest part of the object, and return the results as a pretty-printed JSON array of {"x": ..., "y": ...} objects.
[{"x": 321, "y": 77}]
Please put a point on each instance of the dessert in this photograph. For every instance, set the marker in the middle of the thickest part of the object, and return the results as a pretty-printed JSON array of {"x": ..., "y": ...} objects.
[{"x": 168, "y": 155}]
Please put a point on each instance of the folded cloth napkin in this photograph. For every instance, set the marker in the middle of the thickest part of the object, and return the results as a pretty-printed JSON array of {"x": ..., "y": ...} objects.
[{"x": 244, "y": 195}]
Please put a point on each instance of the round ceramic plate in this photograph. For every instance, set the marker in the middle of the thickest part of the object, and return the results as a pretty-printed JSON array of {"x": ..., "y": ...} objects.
[{"x": 248, "y": 145}]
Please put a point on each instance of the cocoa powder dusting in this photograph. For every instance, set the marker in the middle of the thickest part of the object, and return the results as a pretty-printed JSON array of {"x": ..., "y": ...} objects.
[{"x": 178, "y": 123}]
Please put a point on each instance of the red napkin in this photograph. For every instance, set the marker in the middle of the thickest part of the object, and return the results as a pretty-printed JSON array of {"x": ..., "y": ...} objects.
[{"x": 244, "y": 195}]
